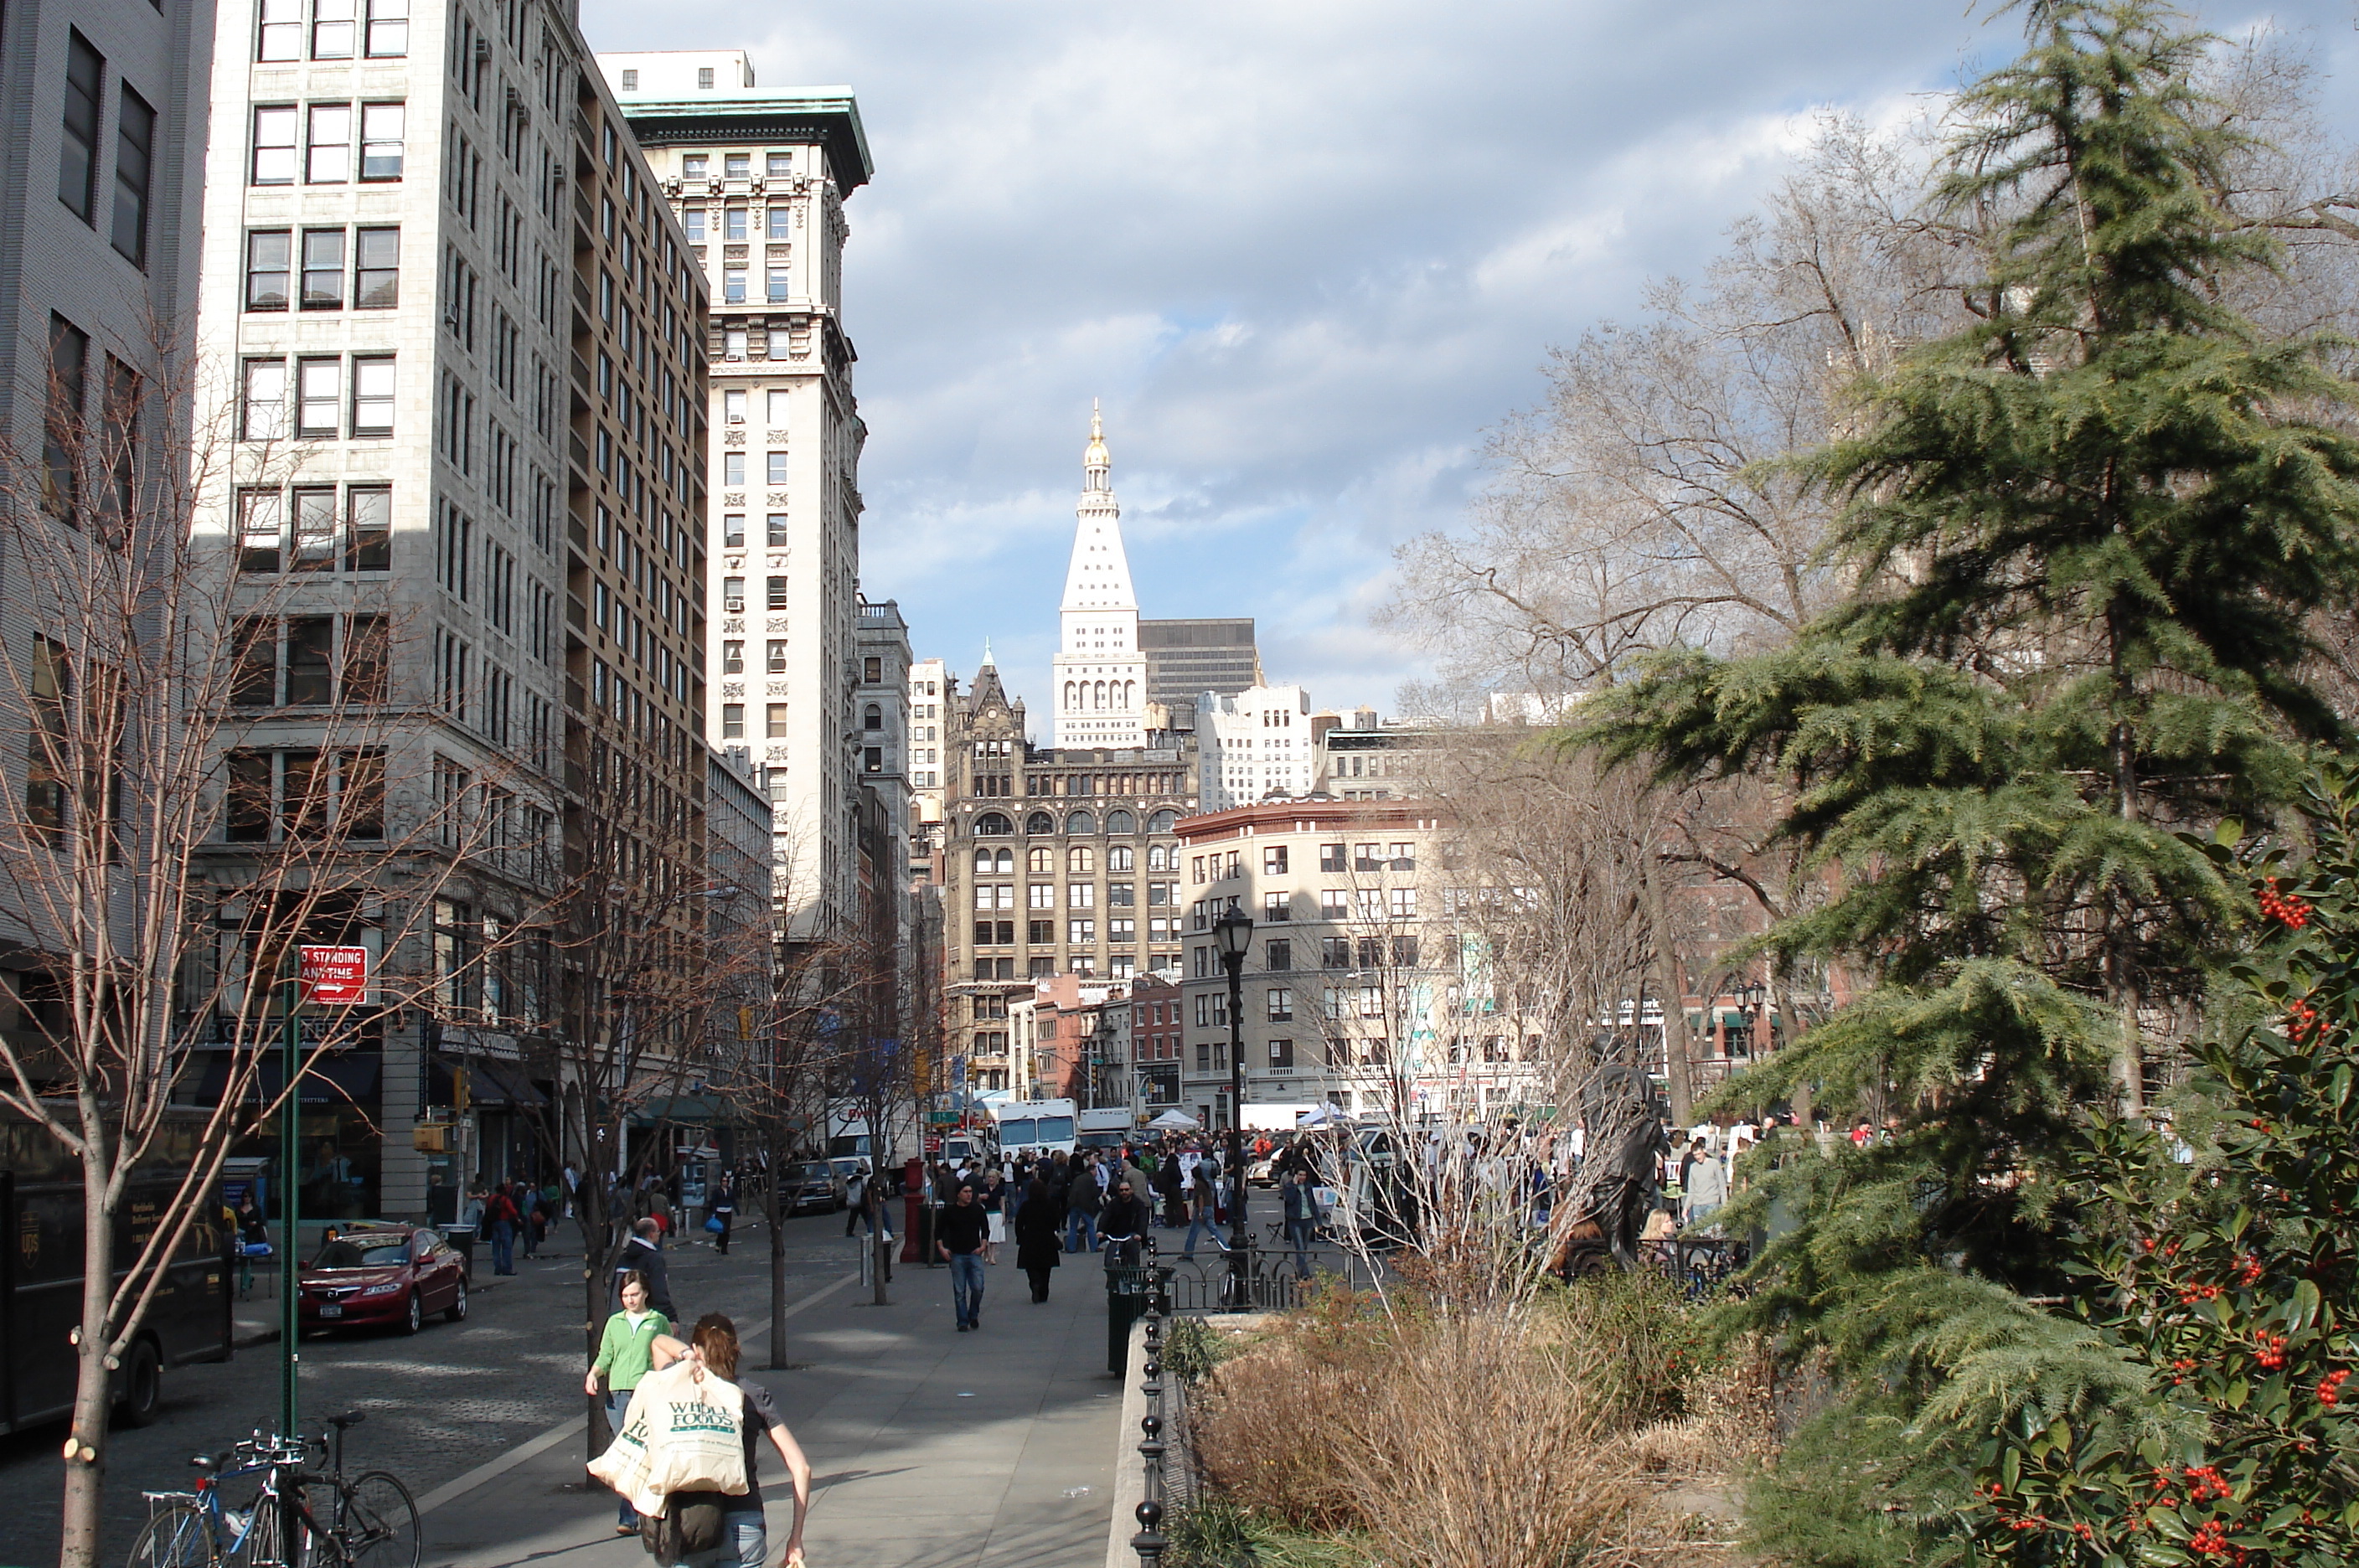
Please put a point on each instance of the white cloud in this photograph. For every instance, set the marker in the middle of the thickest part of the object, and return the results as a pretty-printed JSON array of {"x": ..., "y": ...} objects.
[{"x": 1305, "y": 253}]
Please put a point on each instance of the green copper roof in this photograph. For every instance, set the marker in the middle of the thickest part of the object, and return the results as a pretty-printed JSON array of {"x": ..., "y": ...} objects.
[{"x": 828, "y": 116}]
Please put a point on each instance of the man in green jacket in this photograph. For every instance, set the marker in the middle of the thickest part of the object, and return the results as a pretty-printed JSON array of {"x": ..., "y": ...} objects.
[{"x": 623, "y": 1351}]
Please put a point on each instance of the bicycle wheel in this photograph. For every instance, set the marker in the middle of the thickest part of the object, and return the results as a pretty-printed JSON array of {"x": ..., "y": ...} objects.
[
  {"x": 376, "y": 1523},
  {"x": 175, "y": 1537}
]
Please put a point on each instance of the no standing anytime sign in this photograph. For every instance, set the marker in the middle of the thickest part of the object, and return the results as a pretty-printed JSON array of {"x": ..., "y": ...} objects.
[{"x": 333, "y": 976}]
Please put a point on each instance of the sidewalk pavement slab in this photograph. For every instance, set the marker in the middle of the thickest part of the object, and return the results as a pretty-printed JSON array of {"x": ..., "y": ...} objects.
[{"x": 928, "y": 1448}]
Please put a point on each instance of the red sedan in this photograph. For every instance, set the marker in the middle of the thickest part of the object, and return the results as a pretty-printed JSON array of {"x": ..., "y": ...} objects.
[{"x": 383, "y": 1276}]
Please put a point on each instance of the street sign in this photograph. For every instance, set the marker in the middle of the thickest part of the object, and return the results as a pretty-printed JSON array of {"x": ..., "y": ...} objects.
[
  {"x": 333, "y": 976},
  {"x": 941, "y": 1118}
]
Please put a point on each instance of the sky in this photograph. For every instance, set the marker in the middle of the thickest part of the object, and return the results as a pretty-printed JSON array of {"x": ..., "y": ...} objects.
[{"x": 1308, "y": 255}]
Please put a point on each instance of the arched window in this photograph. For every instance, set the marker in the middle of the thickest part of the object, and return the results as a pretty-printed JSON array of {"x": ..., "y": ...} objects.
[
  {"x": 1080, "y": 859},
  {"x": 991, "y": 825},
  {"x": 1040, "y": 823},
  {"x": 1121, "y": 823},
  {"x": 1097, "y": 696},
  {"x": 1122, "y": 857},
  {"x": 1005, "y": 862},
  {"x": 1155, "y": 858},
  {"x": 872, "y": 717},
  {"x": 1163, "y": 822},
  {"x": 1129, "y": 694},
  {"x": 1080, "y": 823},
  {"x": 1041, "y": 860},
  {"x": 983, "y": 861},
  {"x": 1069, "y": 696}
]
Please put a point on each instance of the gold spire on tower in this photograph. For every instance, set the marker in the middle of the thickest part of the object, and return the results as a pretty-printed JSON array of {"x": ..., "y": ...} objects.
[{"x": 1096, "y": 459}]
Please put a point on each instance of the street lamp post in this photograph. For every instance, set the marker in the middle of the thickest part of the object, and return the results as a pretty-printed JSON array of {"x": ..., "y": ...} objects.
[
  {"x": 1749, "y": 999},
  {"x": 1233, "y": 932}
]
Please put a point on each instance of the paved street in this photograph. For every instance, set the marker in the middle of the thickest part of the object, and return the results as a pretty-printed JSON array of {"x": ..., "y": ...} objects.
[{"x": 439, "y": 1405}]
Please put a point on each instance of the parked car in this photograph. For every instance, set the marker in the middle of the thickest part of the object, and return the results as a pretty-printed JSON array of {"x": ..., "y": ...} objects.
[
  {"x": 1262, "y": 1172},
  {"x": 807, "y": 1187},
  {"x": 383, "y": 1276}
]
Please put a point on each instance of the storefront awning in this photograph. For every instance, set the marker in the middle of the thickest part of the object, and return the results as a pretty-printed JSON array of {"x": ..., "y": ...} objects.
[
  {"x": 497, "y": 1085},
  {"x": 345, "y": 1078}
]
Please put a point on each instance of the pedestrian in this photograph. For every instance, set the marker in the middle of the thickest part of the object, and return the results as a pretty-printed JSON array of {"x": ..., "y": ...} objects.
[
  {"x": 623, "y": 1359},
  {"x": 532, "y": 1223},
  {"x": 1706, "y": 1185},
  {"x": 1038, "y": 1245},
  {"x": 855, "y": 1201},
  {"x": 500, "y": 1214},
  {"x": 994, "y": 1215},
  {"x": 961, "y": 1232},
  {"x": 724, "y": 1209},
  {"x": 254, "y": 1241},
  {"x": 1122, "y": 1228},
  {"x": 643, "y": 1252},
  {"x": 745, "y": 1535},
  {"x": 1083, "y": 1199},
  {"x": 1302, "y": 1219},
  {"x": 1199, "y": 1203}
]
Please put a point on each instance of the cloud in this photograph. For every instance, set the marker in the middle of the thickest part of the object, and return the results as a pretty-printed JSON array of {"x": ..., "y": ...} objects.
[{"x": 1306, "y": 255}]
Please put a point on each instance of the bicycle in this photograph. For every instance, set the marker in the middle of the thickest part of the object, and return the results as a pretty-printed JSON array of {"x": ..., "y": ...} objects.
[{"x": 372, "y": 1519}]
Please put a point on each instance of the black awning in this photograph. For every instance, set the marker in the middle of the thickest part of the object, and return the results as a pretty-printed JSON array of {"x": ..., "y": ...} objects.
[
  {"x": 340, "y": 1078},
  {"x": 499, "y": 1084}
]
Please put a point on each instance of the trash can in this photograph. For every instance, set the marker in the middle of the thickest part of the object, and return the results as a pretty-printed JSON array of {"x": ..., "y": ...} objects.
[
  {"x": 462, "y": 1238},
  {"x": 1126, "y": 1290}
]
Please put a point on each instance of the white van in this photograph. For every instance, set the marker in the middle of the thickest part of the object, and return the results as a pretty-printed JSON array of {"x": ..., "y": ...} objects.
[{"x": 1038, "y": 1128}]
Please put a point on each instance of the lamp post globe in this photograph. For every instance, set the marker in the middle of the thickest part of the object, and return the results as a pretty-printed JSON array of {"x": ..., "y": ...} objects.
[{"x": 1233, "y": 933}]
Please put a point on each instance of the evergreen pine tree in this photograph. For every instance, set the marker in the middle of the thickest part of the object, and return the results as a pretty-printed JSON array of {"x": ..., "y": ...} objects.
[{"x": 2086, "y": 534}]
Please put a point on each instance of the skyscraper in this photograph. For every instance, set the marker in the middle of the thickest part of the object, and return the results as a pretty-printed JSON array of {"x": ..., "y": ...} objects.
[
  {"x": 1186, "y": 659},
  {"x": 1099, "y": 671},
  {"x": 759, "y": 180}
]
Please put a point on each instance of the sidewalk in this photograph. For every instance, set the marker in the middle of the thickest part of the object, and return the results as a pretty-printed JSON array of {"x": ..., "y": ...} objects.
[{"x": 928, "y": 1448}]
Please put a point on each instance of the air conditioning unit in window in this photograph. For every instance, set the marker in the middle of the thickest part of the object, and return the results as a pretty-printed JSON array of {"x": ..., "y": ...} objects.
[{"x": 734, "y": 606}]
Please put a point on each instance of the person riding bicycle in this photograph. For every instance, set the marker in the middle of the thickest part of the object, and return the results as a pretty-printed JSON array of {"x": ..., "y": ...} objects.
[{"x": 1122, "y": 1225}]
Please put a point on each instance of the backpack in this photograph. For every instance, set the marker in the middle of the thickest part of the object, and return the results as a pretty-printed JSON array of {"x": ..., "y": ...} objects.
[{"x": 690, "y": 1523}]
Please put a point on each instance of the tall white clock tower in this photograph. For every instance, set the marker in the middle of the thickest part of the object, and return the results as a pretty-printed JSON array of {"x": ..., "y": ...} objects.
[{"x": 1100, "y": 672}]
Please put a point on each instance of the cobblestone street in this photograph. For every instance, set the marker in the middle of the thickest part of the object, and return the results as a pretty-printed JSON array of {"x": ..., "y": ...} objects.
[{"x": 439, "y": 1405}]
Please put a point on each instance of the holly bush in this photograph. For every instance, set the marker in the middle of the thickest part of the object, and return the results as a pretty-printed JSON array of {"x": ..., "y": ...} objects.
[{"x": 2220, "y": 1263}]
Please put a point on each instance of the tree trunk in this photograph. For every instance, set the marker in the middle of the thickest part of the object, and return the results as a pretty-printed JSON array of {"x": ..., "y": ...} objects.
[
  {"x": 778, "y": 1362},
  {"x": 85, "y": 1444}
]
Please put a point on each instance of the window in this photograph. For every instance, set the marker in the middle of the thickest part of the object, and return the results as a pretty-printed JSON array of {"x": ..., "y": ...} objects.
[
  {"x": 775, "y": 529},
  {"x": 732, "y": 659},
  {"x": 778, "y": 409},
  {"x": 282, "y": 30},
  {"x": 1281, "y": 1004},
  {"x": 738, "y": 165},
  {"x": 329, "y": 145},
  {"x": 704, "y": 77},
  {"x": 261, "y": 519},
  {"x": 696, "y": 165},
  {"x": 775, "y": 282},
  {"x": 692, "y": 221},
  {"x": 780, "y": 164},
  {"x": 1402, "y": 855},
  {"x": 1273, "y": 861},
  {"x": 630, "y": 81},
  {"x": 310, "y": 662},
  {"x": 332, "y": 29},
  {"x": 381, "y": 137},
  {"x": 1121, "y": 857},
  {"x": 776, "y": 598},
  {"x": 775, "y": 721},
  {"x": 732, "y": 407},
  {"x": 774, "y": 660},
  {"x": 1276, "y": 908},
  {"x": 323, "y": 269},
  {"x": 269, "y": 259},
  {"x": 1404, "y": 952},
  {"x": 1371, "y": 951},
  {"x": 1040, "y": 861},
  {"x": 732, "y": 222},
  {"x": 1281, "y": 1054},
  {"x": 376, "y": 276},
  {"x": 319, "y": 404},
  {"x": 388, "y": 28},
  {"x": 373, "y": 396},
  {"x": 369, "y": 523},
  {"x": 1334, "y": 953},
  {"x": 1040, "y": 931},
  {"x": 732, "y": 530},
  {"x": 77, "y": 153},
  {"x": 1080, "y": 896},
  {"x": 1404, "y": 903},
  {"x": 1040, "y": 895},
  {"x": 274, "y": 145},
  {"x": 732, "y": 292},
  {"x": 872, "y": 717},
  {"x": 135, "y": 148},
  {"x": 1330, "y": 857},
  {"x": 777, "y": 467},
  {"x": 733, "y": 595},
  {"x": 315, "y": 529},
  {"x": 1334, "y": 904},
  {"x": 1280, "y": 956},
  {"x": 732, "y": 470},
  {"x": 1081, "y": 931},
  {"x": 1080, "y": 859},
  {"x": 1367, "y": 858},
  {"x": 61, "y": 427},
  {"x": 732, "y": 720}
]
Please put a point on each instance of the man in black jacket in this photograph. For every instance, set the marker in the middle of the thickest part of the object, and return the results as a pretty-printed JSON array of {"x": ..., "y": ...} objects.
[
  {"x": 1121, "y": 1227},
  {"x": 644, "y": 1252},
  {"x": 960, "y": 1231}
]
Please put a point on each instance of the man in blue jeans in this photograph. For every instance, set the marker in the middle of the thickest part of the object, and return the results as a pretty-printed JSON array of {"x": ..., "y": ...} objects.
[
  {"x": 1301, "y": 1220},
  {"x": 1084, "y": 1197},
  {"x": 960, "y": 1231}
]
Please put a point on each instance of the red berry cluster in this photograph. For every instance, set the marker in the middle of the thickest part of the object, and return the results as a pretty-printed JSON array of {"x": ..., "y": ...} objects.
[
  {"x": 2270, "y": 1349},
  {"x": 2290, "y": 913},
  {"x": 2249, "y": 1270},
  {"x": 2204, "y": 1483},
  {"x": 2330, "y": 1387},
  {"x": 2302, "y": 1020},
  {"x": 2190, "y": 1294}
]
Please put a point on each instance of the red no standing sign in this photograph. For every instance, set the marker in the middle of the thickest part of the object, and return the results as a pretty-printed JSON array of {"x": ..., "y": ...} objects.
[{"x": 333, "y": 976}]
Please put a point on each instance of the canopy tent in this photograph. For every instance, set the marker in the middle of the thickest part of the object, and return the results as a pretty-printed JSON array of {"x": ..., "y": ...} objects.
[
  {"x": 1327, "y": 1114},
  {"x": 1176, "y": 1121}
]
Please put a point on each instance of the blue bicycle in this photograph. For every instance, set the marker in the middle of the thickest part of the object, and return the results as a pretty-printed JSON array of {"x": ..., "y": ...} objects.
[{"x": 371, "y": 1520}]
